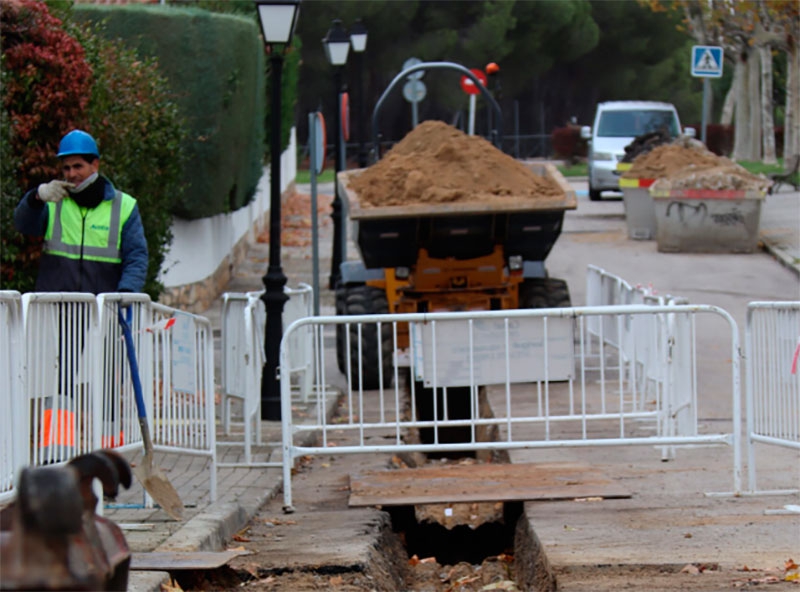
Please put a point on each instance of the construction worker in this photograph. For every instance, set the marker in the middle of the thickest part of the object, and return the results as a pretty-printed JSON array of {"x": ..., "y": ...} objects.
[
  {"x": 93, "y": 242},
  {"x": 93, "y": 235}
]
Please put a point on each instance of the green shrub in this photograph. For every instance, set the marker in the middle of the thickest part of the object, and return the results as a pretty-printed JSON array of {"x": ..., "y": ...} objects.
[
  {"x": 140, "y": 132},
  {"x": 45, "y": 91},
  {"x": 214, "y": 64},
  {"x": 52, "y": 84}
]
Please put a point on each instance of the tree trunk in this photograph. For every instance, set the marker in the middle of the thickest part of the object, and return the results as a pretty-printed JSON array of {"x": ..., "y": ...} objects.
[
  {"x": 767, "y": 121},
  {"x": 791, "y": 124},
  {"x": 741, "y": 137},
  {"x": 726, "y": 118}
]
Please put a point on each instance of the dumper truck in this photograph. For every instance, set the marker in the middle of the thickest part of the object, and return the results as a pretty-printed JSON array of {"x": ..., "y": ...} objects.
[{"x": 430, "y": 257}]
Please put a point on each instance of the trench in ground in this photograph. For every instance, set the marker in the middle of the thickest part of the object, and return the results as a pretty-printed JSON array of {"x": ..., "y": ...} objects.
[{"x": 503, "y": 533}]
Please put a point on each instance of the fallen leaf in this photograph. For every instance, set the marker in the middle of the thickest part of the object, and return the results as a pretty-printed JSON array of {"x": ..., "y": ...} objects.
[
  {"x": 336, "y": 580},
  {"x": 690, "y": 569},
  {"x": 171, "y": 586},
  {"x": 240, "y": 539},
  {"x": 503, "y": 585}
]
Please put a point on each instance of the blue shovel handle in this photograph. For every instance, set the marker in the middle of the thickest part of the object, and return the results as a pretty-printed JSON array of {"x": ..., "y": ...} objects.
[{"x": 137, "y": 383}]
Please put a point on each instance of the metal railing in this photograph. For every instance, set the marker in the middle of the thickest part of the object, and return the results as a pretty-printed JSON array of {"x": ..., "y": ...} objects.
[
  {"x": 772, "y": 390},
  {"x": 243, "y": 322},
  {"x": 76, "y": 395},
  {"x": 13, "y": 446},
  {"x": 606, "y": 289},
  {"x": 534, "y": 370}
]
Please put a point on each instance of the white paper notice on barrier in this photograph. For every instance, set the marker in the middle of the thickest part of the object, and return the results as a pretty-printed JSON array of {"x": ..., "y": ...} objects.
[
  {"x": 475, "y": 352},
  {"x": 183, "y": 354}
]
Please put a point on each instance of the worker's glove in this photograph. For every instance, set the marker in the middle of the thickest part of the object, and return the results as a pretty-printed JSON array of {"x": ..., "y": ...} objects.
[{"x": 54, "y": 191}]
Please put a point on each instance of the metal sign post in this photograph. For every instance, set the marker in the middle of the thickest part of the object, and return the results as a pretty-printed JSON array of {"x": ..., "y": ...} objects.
[
  {"x": 316, "y": 163},
  {"x": 414, "y": 90},
  {"x": 706, "y": 63}
]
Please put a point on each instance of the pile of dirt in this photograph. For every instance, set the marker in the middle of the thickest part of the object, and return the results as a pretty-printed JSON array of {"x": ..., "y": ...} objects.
[
  {"x": 645, "y": 143},
  {"x": 437, "y": 163},
  {"x": 688, "y": 164}
]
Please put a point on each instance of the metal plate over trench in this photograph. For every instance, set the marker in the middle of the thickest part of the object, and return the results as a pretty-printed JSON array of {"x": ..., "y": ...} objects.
[
  {"x": 481, "y": 483},
  {"x": 178, "y": 560}
]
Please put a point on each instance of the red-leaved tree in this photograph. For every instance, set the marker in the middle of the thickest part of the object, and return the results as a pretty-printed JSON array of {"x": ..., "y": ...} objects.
[
  {"x": 46, "y": 85},
  {"x": 47, "y": 88}
]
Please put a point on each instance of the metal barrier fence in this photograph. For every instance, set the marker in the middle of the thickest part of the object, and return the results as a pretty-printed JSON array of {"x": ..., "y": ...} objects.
[
  {"x": 243, "y": 322},
  {"x": 13, "y": 455},
  {"x": 546, "y": 390},
  {"x": 76, "y": 393},
  {"x": 62, "y": 379},
  {"x": 606, "y": 289},
  {"x": 772, "y": 391}
]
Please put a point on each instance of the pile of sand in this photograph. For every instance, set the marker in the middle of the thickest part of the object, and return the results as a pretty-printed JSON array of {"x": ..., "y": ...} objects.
[
  {"x": 688, "y": 164},
  {"x": 437, "y": 163}
]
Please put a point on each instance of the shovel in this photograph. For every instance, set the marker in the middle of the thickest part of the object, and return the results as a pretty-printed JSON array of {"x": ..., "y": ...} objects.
[{"x": 152, "y": 478}]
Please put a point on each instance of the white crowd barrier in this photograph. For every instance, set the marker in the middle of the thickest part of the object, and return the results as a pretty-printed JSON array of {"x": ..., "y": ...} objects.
[
  {"x": 13, "y": 448},
  {"x": 643, "y": 361},
  {"x": 534, "y": 370},
  {"x": 772, "y": 390},
  {"x": 76, "y": 393},
  {"x": 62, "y": 377},
  {"x": 243, "y": 323}
]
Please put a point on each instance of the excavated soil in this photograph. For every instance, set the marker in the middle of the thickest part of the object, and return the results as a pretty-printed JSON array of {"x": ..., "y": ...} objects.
[
  {"x": 437, "y": 163},
  {"x": 688, "y": 164}
]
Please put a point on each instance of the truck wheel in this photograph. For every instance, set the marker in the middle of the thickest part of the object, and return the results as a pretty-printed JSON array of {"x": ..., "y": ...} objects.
[
  {"x": 360, "y": 300},
  {"x": 544, "y": 293},
  {"x": 594, "y": 194}
]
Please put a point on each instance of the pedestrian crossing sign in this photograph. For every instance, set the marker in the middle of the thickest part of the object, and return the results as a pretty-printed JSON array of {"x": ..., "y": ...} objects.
[{"x": 706, "y": 61}]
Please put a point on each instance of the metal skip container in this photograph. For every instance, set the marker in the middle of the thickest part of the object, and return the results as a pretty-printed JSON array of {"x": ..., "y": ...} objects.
[
  {"x": 640, "y": 213},
  {"x": 707, "y": 220}
]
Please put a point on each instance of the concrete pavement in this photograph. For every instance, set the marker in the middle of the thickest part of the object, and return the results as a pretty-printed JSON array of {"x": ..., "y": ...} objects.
[{"x": 730, "y": 280}]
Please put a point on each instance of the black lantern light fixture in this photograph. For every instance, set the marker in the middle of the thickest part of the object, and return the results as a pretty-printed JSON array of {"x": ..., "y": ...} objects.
[
  {"x": 337, "y": 46},
  {"x": 278, "y": 19},
  {"x": 358, "y": 39}
]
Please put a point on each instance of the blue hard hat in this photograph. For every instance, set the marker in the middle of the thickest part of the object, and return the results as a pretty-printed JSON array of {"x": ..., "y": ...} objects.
[{"x": 77, "y": 142}]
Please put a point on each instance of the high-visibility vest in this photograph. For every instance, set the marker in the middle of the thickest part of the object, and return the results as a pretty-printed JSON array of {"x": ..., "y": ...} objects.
[{"x": 82, "y": 250}]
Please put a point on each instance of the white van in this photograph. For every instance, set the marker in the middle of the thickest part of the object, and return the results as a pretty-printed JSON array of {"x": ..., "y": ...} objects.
[{"x": 616, "y": 124}]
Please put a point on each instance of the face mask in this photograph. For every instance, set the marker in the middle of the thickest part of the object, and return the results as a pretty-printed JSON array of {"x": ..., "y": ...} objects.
[{"x": 88, "y": 181}]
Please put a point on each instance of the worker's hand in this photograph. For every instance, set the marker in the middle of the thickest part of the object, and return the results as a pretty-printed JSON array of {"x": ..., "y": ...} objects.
[{"x": 54, "y": 191}]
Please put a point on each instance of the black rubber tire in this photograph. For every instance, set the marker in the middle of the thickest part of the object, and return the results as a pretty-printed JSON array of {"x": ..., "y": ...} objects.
[
  {"x": 594, "y": 194},
  {"x": 358, "y": 300},
  {"x": 544, "y": 293}
]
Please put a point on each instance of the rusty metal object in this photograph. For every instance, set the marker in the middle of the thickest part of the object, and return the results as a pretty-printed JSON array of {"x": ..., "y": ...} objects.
[{"x": 50, "y": 536}]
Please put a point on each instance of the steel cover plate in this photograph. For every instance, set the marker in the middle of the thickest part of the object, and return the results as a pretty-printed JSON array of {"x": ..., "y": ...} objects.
[
  {"x": 175, "y": 560},
  {"x": 481, "y": 483}
]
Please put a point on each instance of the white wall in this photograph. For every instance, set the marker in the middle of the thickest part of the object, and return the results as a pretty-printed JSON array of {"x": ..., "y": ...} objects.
[{"x": 200, "y": 246}]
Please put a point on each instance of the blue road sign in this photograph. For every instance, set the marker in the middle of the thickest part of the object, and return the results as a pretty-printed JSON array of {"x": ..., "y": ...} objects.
[{"x": 706, "y": 61}]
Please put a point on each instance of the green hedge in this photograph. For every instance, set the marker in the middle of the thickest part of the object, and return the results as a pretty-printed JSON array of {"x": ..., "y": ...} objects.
[{"x": 215, "y": 65}]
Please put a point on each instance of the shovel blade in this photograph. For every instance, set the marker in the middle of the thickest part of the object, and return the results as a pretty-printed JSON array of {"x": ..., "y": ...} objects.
[{"x": 160, "y": 489}]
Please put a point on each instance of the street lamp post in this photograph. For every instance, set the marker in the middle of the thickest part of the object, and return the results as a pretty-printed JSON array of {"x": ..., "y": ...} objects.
[
  {"x": 278, "y": 19},
  {"x": 337, "y": 45},
  {"x": 358, "y": 39}
]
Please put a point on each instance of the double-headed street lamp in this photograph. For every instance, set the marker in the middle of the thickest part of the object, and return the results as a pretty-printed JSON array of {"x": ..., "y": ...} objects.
[
  {"x": 278, "y": 19},
  {"x": 337, "y": 46},
  {"x": 358, "y": 39}
]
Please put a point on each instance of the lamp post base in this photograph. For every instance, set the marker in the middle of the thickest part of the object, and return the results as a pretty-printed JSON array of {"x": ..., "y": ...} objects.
[{"x": 274, "y": 298}]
